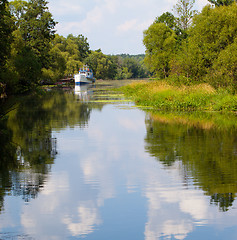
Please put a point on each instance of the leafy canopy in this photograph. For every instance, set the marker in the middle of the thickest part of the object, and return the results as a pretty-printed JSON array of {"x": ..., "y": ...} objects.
[
  {"x": 219, "y": 3},
  {"x": 160, "y": 42},
  {"x": 6, "y": 28}
]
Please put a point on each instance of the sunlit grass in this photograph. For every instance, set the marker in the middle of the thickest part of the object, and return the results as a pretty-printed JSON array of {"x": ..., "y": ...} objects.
[{"x": 163, "y": 96}]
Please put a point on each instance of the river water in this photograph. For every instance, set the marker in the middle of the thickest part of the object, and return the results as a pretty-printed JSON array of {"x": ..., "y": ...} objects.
[{"x": 90, "y": 165}]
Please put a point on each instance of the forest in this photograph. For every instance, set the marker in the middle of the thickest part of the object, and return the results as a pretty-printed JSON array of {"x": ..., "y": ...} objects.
[
  {"x": 190, "y": 47},
  {"x": 32, "y": 53}
]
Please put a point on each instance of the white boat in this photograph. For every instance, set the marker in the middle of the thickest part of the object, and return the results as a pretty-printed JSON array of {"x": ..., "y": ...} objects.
[{"x": 84, "y": 76}]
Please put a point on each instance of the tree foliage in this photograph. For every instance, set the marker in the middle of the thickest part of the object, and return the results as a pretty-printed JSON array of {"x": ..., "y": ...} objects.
[
  {"x": 206, "y": 54},
  {"x": 219, "y": 3},
  {"x": 173, "y": 23},
  {"x": 129, "y": 66},
  {"x": 168, "y": 19},
  {"x": 160, "y": 42},
  {"x": 208, "y": 42},
  {"x": 100, "y": 64},
  {"x": 37, "y": 29},
  {"x": 6, "y": 28},
  {"x": 31, "y": 43},
  {"x": 17, "y": 9}
]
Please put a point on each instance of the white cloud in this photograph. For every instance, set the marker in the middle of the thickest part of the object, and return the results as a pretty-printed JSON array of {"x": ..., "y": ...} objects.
[
  {"x": 194, "y": 205},
  {"x": 133, "y": 26},
  {"x": 127, "y": 26},
  {"x": 178, "y": 229},
  {"x": 60, "y": 180},
  {"x": 129, "y": 124},
  {"x": 93, "y": 18},
  {"x": 87, "y": 219},
  {"x": 112, "y": 6},
  {"x": 163, "y": 193},
  {"x": 201, "y": 3},
  {"x": 65, "y": 7}
]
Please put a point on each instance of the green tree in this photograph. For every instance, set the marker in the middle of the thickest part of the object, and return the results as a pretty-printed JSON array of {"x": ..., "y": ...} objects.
[
  {"x": 17, "y": 9},
  {"x": 219, "y": 3},
  {"x": 28, "y": 67},
  {"x": 168, "y": 19},
  {"x": 101, "y": 64},
  {"x": 224, "y": 70},
  {"x": 37, "y": 29},
  {"x": 160, "y": 43},
  {"x": 66, "y": 56},
  {"x": 123, "y": 73},
  {"x": 212, "y": 31},
  {"x": 32, "y": 42},
  {"x": 113, "y": 68},
  {"x": 72, "y": 56},
  {"x": 131, "y": 65},
  {"x": 82, "y": 44},
  {"x": 57, "y": 67},
  {"x": 6, "y": 28}
]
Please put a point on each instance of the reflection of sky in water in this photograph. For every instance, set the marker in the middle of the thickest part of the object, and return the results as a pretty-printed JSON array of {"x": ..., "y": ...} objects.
[{"x": 104, "y": 185}]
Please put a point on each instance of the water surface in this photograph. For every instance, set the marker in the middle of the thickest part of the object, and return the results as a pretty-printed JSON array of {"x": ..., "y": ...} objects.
[{"x": 89, "y": 165}]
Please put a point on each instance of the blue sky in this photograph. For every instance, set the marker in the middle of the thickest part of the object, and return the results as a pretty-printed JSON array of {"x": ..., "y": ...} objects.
[{"x": 114, "y": 26}]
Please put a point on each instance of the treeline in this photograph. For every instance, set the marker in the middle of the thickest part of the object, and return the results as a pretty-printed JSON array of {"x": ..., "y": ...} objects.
[
  {"x": 69, "y": 54},
  {"x": 188, "y": 47},
  {"x": 122, "y": 66},
  {"x": 32, "y": 53}
]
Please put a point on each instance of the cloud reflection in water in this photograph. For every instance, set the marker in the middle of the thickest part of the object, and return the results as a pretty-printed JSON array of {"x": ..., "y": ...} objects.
[{"x": 103, "y": 165}]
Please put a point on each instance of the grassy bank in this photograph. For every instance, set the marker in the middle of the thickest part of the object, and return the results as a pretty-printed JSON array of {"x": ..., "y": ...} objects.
[{"x": 163, "y": 96}]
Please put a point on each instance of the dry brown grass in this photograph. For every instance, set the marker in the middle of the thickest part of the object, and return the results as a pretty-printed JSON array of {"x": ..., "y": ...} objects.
[
  {"x": 160, "y": 86},
  {"x": 203, "y": 87}
]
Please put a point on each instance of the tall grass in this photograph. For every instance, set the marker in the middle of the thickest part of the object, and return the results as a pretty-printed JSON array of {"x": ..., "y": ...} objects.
[{"x": 164, "y": 96}]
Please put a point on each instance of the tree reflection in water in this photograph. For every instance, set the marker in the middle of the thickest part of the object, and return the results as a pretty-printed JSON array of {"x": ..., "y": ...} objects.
[
  {"x": 27, "y": 145},
  {"x": 207, "y": 152},
  {"x": 28, "y": 148}
]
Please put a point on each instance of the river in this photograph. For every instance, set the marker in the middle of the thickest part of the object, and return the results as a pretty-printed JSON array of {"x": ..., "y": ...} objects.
[{"x": 89, "y": 164}]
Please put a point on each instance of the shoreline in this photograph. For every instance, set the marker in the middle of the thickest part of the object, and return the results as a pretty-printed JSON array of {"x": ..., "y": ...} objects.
[{"x": 161, "y": 95}]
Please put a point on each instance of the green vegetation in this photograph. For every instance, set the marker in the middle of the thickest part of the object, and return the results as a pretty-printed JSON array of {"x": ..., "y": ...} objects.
[
  {"x": 161, "y": 95},
  {"x": 195, "y": 48},
  {"x": 187, "y": 48},
  {"x": 117, "y": 67},
  {"x": 31, "y": 53},
  {"x": 221, "y": 2},
  {"x": 32, "y": 29},
  {"x": 66, "y": 57},
  {"x": 194, "y": 58}
]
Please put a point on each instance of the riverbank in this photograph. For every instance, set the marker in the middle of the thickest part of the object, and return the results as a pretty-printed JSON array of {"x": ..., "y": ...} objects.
[{"x": 163, "y": 96}]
